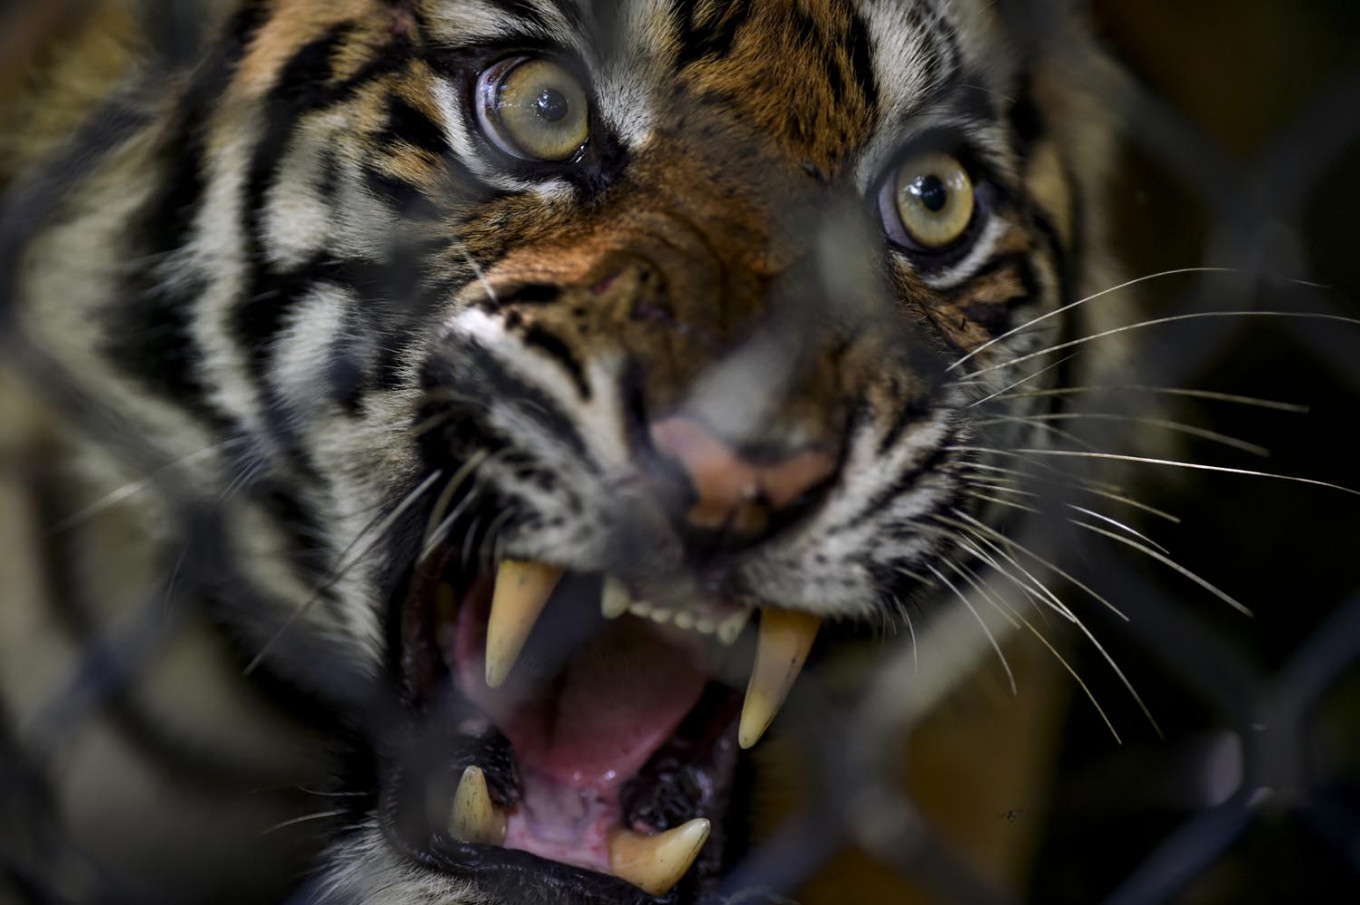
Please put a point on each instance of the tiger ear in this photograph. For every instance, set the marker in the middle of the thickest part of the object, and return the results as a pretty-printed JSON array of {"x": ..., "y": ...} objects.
[{"x": 56, "y": 67}]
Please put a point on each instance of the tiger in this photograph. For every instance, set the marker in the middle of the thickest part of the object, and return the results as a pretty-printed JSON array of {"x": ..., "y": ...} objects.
[{"x": 499, "y": 402}]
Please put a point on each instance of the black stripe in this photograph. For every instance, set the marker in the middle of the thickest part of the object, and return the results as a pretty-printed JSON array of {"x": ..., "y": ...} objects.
[
  {"x": 708, "y": 39},
  {"x": 407, "y": 123},
  {"x": 406, "y": 200},
  {"x": 1028, "y": 126},
  {"x": 471, "y": 369},
  {"x": 903, "y": 482},
  {"x": 150, "y": 335},
  {"x": 553, "y": 346},
  {"x": 304, "y": 85},
  {"x": 862, "y": 60}
]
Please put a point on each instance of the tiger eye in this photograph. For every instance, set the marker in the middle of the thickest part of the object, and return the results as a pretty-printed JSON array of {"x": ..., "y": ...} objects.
[
  {"x": 934, "y": 198},
  {"x": 534, "y": 109}
]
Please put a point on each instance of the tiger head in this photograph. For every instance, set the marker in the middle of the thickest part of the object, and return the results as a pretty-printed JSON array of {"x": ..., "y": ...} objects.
[{"x": 569, "y": 362}]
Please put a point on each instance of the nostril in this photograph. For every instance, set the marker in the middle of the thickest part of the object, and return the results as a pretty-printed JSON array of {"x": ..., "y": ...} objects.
[
  {"x": 730, "y": 492},
  {"x": 530, "y": 294}
]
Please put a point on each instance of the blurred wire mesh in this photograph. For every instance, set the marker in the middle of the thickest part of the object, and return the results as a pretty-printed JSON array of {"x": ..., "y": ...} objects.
[{"x": 1242, "y": 121}]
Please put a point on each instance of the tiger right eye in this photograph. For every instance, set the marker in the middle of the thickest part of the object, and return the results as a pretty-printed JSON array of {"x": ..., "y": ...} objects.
[{"x": 534, "y": 109}]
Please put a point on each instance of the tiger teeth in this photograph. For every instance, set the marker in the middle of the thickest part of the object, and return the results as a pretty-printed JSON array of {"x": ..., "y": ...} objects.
[
  {"x": 522, "y": 590},
  {"x": 615, "y": 599},
  {"x": 655, "y": 864},
  {"x": 785, "y": 639},
  {"x": 729, "y": 630},
  {"x": 475, "y": 816}
]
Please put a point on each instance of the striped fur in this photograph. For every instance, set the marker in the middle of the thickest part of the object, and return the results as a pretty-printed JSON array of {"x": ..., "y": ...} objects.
[{"x": 306, "y": 251}]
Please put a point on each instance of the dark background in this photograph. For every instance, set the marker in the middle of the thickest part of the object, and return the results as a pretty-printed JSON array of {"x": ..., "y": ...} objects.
[{"x": 1257, "y": 169}]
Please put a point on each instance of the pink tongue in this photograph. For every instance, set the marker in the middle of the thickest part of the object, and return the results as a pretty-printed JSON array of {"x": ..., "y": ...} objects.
[{"x": 618, "y": 700}]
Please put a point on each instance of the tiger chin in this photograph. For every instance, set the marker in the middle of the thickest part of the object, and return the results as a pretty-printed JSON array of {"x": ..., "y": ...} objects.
[{"x": 564, "y": 374}]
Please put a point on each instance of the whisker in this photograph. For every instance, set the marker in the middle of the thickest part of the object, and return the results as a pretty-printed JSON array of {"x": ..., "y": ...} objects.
[
  {"x": 1168, "y": 391},
  {"x": 1022, "y": 453},
  {"x": 1081, "y": 485},
  {"x": 493, "y": 537},
  {"x": 380, "y": 527},
  {"x": 1047, "y": 564},
  {"x": 435, "y": 525},
  {"x": 979, "y": 496},
  {"x": 1041, "y": 605},
  {"x": 1167, "y": 561},
  {"x": 1076, "y": 677},
  {"x": 1120, "y": 525},
  {"x": 1021, "y": 382},
  {"x": 1158, "y": 321},
  {"x": 975, "y": 583},
  {"x": 132, "y": 488},
  {"x": 978, "y": 616},
  {"x": 1176, "y": 426},
  {"x": 1030, "y": 422},
  {"x": 906, "y": 615},
  {"x": 296, "y": 820},
  {"x": 1181, "y": 271},
  {"x": 468, "y": 542},
  {"x": 1081, "y": 626}
]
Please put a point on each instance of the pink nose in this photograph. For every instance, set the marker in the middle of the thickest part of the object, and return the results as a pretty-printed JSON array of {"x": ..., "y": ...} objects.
[{"x": 733, "y": 493}]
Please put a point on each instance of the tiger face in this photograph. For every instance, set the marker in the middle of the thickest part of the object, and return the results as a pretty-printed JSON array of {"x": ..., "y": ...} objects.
[{"x": 574, "y": 367}]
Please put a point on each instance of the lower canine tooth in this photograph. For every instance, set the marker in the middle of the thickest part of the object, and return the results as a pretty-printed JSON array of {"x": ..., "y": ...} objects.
[
  {"x": 614, "y": 601},
  {"x": 785, "y": 639},
  {"x": 522, "y": 590},
  {"x": 655, "y": 864},
  {"x": 475, "y": 817}
]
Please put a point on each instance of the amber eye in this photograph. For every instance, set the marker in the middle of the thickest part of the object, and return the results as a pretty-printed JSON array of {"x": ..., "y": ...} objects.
[
  {"x": 533, "y": 109},
  {"x": 929, "y": 204}
]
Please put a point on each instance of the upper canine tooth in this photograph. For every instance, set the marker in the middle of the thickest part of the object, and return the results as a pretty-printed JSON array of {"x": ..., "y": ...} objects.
[
  {"x": 662, "y": 616},
  {"x": 655, "y": 864},
  {"x": 684, "y": 621},
  {"x": 475, "y": 816},
  {"x": 522, "y": 590},
  {"x": 729, "y": 630},
  {"x": 785, "y": 639},
  {"x": 615, "y": 599}
]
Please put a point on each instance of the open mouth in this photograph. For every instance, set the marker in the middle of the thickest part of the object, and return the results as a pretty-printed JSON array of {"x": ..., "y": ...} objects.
[{"x": 575, "y": 741}]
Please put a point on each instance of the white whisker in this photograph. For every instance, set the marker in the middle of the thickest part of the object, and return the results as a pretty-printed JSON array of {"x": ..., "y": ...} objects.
[
  {"x": 1158, "y": 321},
  {"x": 978, "y": 616},
  {"x": 1176, "y": 426},
  {"x": 1167, "y": 391},
  {"x": 1022, "y": 453},
  {"x": 1167, "y": 561}
]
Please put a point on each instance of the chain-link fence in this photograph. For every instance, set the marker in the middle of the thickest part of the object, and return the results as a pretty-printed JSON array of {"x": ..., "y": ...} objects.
[{"x": 1249, "y": 791}]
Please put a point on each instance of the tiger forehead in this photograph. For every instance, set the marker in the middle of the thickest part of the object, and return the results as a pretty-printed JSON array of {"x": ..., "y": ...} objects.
[{"x": 800, "y": 72}]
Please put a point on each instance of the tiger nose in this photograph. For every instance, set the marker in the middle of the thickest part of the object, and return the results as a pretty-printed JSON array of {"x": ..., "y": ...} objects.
[{"x": 729, "y": 493}]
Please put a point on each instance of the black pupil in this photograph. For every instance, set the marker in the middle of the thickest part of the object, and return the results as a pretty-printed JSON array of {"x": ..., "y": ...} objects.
[
  {"x": 932, "y": 193},
  {"x": 552, "y": 105}
]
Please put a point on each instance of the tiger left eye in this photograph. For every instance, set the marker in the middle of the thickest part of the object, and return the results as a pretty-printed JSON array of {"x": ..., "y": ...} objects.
[
  {"x": 929, "y": 203},
  {"x": 533, "y": 109}
]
